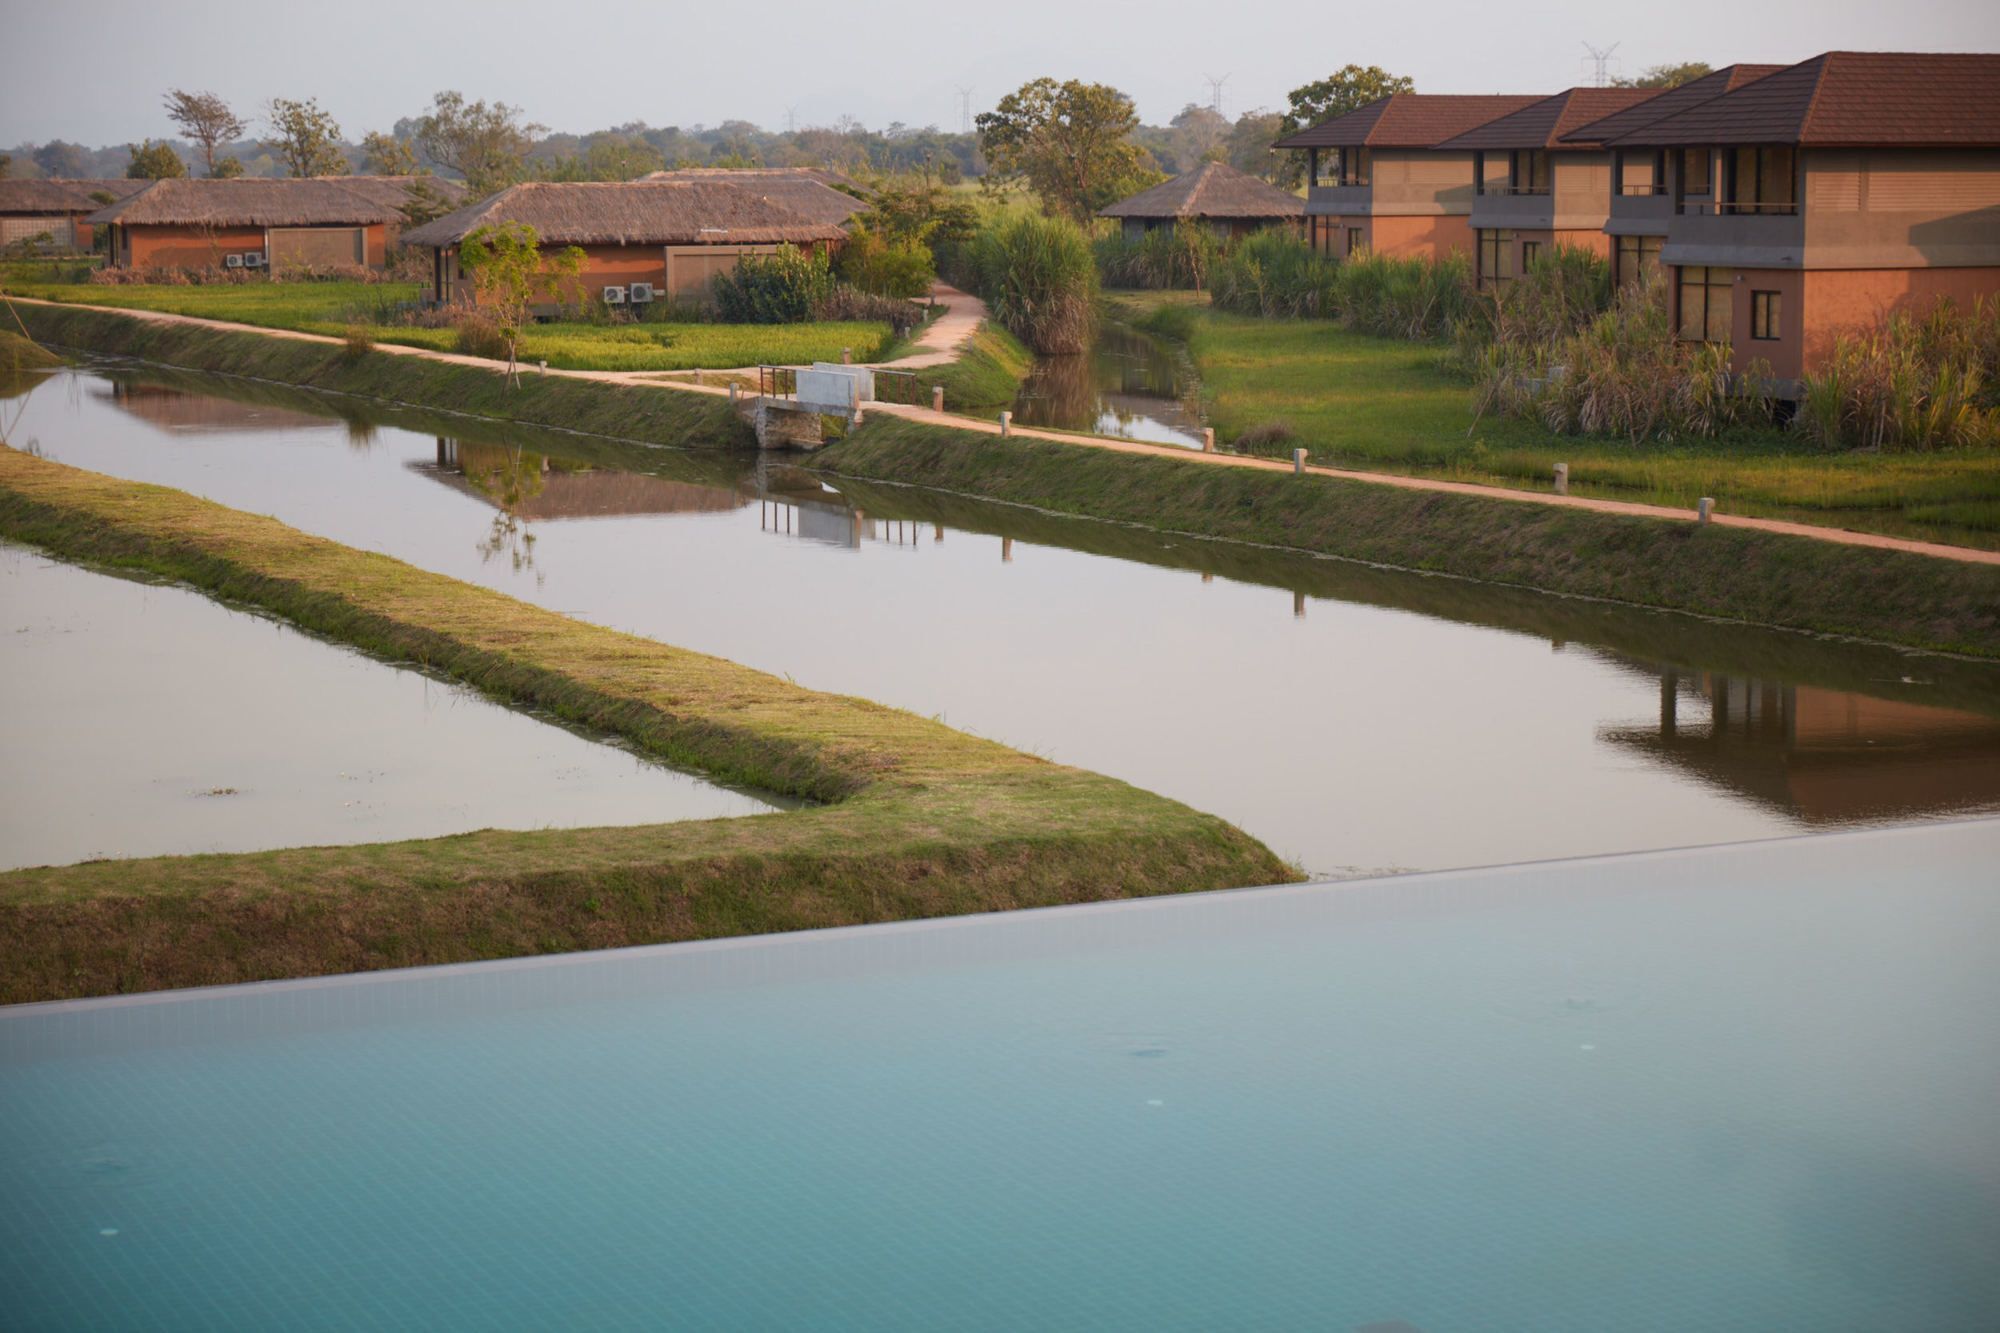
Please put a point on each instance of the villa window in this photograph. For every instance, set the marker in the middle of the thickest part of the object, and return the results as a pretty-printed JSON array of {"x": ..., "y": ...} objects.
[
  {"x": 1494, "y": 254},
  {"x": 1530, "y": 252},
  {"x": 1529, "y": 171},
  {"x": 1705, "y": 299},
  {"x": 1642, "y": 173},
  {"x": 1637, "y": 259},
  {"x": 1355, "y": 243},
  {"x": 1761, "y": 181},
  {"x": 1766, "y": 316},
  {"x": 1695, "y": 177},
  {"x": 1342, "y": 166}
]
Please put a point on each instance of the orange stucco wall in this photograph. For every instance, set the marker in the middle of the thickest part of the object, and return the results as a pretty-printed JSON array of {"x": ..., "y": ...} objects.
[
  {"x": 1430, "y": 236},
  {"x": 204, "y": 247},
  {"x": 1819, "y": 305}
]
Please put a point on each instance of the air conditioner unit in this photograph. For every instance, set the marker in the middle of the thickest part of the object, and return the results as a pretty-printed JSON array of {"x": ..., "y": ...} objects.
[
  {"x": 254, "y": 259},
  {"x": 642, "y": 293},
  {"x": 614, "y": 296},
  {"x": 232, "y": 261}
]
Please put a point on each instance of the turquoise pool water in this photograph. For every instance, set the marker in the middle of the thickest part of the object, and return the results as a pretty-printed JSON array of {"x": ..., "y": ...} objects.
[{"x": 1752, "y": 1087}]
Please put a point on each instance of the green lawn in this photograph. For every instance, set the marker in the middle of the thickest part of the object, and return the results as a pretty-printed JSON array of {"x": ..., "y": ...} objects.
[
  {"x": 1381, "y": 404},
  {"x": 336, "y": 307}
]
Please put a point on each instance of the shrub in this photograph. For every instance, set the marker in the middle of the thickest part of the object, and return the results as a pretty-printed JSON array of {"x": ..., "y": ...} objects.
[
  {"x": 884, "y": 267},
  {"x": 1912, "y": 384},
  {"x": 845, "y": 303},
  {"x": 1177, "y": 258},
  {"x": 785, "y": 287},
  {"x": 1561, "y": 292},
  {"x": 1275, "y": 274},
  {"x": 1268, "y": 437},
  {"x": 358, "y": 343},
  {"x": 1416, "y": 299},
  {"x": 1039, "y": 278},
  {"x": 479, "y": 334}
]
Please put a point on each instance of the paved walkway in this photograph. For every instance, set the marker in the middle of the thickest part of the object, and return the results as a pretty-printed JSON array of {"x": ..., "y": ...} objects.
[
  {"x": 963, "y": 330},
  {"x": 948, "y": 333}
]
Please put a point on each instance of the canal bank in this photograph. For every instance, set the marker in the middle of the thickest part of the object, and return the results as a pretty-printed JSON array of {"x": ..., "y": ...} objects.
[
  {"x": 911, "y": 819},
  {"x": 1739, "y": 569}
]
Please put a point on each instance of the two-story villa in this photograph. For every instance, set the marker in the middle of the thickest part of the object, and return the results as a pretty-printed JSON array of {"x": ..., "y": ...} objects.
[
  {"x": 1640, "y": 205},
  {"x": 1531, "y": 189},
  {"x": 1378, "y": 182},
  {"x": 1828, "y": 195}
]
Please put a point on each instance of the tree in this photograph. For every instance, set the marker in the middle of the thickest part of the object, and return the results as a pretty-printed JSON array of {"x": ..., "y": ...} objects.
[
  {"x": 154, "y": 161},
  {"x": 1198, "y": 136},
  {"x": 508, "y": 270},
  {"x": 207, "y": 120},
  {"x": 1248, "y": 147},
  {"x": 386, "y": 155},
  {"x": 1668, "y": 76},
  {"x": 227, "y": 168},
  {"x": 1347, "y": 89},
  {"x": 1071, "y": 142},
  {"x": 487, "y": 145},
  {"x": 6, "y": 165},
  {"x": 305, "y": 138},
  {"x": 422, "y": 202},
  {"x": 67, "y": 160}
]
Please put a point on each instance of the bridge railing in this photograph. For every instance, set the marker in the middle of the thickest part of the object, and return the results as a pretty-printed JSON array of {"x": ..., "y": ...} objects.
[
  {"x": 898, "y": 386},
  {"x": 777, "y": 381}
]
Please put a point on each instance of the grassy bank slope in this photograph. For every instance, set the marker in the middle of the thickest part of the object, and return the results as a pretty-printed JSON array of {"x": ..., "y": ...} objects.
[
  {"x": 1794, "y": 583},
  {"x": 1385, "y": 404},
  {"x": 916, "y": 819},
  {"x": 626, "y": 411}
]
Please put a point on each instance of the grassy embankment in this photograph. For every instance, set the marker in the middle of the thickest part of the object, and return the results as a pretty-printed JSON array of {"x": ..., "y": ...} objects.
[
  {"x": 337, "y": 307},
  {"x": 1360, "y": 401},
  {"x": 913, "y": 819},
  {"x": 1787, "y": 582},
  {"x": 627, "y": 411}
]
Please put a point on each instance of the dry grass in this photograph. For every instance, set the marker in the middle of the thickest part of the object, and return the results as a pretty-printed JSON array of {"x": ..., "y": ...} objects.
[{"x": 912, "y": 818}]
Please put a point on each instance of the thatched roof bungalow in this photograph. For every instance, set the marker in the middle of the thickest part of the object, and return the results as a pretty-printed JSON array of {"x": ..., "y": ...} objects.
[
  {"x": 395, "y": 192},
  {"x": 1233, "y": 203},
  {"x": 247, "y": 223},
  {"x": 54, "y": 208},
  {"x": 813, "y": 192},
  {"x": 673, "y": 236}
]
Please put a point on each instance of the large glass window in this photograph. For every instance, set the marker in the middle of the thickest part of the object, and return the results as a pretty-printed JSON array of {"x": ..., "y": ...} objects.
[
  {"x": 1694, "y": 171},
  {"x": 1342, "y": 166},
  {"x": 1637, "y": 259},
  {"x": 1530, "y": 168},
  {"x": 1761, "y": 180},
  {"x": 1705, "y": 296},
  {"x": 1493, "y": 257},
  {"x": 1530, "y": 252},
  {"x": 1355, "y": 243}
]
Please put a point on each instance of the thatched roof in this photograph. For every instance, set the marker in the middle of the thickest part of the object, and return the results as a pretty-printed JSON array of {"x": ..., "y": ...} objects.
[
  {"x": 1213, "y": 190},
  {"x": 247, "y": 202},
  {"x": 62, "y": 196},
  {"x": 394, "y": 191},
  {"x": 662, "y": 212},
  {"x": 823, "y": 196}
]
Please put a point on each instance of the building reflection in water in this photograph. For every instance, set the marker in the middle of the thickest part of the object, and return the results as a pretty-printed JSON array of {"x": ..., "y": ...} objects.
[
  {"x": 179, "y": 412},
  {"x": 1823, "y": 756}
]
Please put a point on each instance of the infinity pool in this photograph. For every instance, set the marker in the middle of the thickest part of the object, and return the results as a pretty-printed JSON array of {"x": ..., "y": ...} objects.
[{"x": 1751, "y": 1087}]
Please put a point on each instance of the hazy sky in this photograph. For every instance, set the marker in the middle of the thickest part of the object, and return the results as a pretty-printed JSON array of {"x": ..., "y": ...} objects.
[{"x": 593, "y": 63}]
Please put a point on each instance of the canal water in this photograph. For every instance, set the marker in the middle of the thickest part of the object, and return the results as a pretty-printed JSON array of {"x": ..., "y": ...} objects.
[
  {"x": 1355, "y": 719},
  {"x": 1126, "y": 385},
  {"x": 144, "y": 719}
]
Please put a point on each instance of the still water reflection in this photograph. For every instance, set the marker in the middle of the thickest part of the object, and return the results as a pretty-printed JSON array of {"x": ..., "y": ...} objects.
[
  {"x": 1353, "y": 718},
  {"x": 144, "y": 720},
  {"x": 1127, "y": 385}
]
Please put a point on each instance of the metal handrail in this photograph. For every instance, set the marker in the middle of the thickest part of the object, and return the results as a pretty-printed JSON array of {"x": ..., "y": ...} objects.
[
  {"x": 777, "y": 381},
  {"x": 898, "y": 386}
]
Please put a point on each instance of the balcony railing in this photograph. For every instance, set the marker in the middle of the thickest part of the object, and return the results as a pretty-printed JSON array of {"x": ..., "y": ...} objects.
[
  {"x": 1642, "y": 189},
  {"x": 1711, "y": 208}
]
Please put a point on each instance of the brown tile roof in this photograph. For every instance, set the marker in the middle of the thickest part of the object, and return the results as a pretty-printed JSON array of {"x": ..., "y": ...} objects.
[
  {"x": 652, "y": 212},
  {"x": 247, "y": 202},
  {"x": 1211, "y": 190},
  {"x": 50, "y": 195},
  {"x": 1671, "y": 102},
  {"x": 1543, "y": 124},
  {"x": 1409, "y": 120},
  {"x": 1851, "y": 99},
  {"x": 394, "y": 191},
  {"x": 821, "y": 196}
]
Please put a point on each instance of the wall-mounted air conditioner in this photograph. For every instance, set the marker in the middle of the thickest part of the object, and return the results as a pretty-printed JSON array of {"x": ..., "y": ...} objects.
[
  {"x": 614, "y": 296},
  {"x": 641, "y": 293},
  {"x": 254, "y": 259},
  {"x": 232, "y": 261}
]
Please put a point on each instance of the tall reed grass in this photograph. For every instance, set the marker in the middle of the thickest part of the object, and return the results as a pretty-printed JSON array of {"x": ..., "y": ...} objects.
[
  {"x": 1039, "y": 278},
  {"x": 1177, "y": 258},
  {"x": 1916, "y": 383}
]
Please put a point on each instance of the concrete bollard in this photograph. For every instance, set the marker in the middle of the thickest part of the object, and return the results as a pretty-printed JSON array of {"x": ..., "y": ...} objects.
[
  {"x": 541, "y": 367},
  {"x": 937, "y": 397},
  {"x": 697, "y": 375},
  {"x": 847, "y": 356},
  {"x": 1298, "y": 462},
  {"x": 1562, "y": 479},
  {"x": 1298, "y": 606},
  {"x": 1006, "y": 424},
  {"x": 1006, "y": 550},
  {"x": 732, "y": 393},
  {"x": 1208, "y": 439},
  {"x": 1703, "y": 508}
]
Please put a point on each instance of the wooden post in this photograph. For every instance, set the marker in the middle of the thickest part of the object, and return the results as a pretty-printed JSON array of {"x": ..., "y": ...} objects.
[
  {"x": 1298, "y": 462},
  {"x": 1298, "y": 606},
  {"x": 1208, "y": 439},
  {"x": 1562, "y": 479},
  {"x": 1006, "y": 550},
  {"x": 937, "y": 397},
  {"x": 1703, "y": 507},
  {"x": 1006, "y": 424},
  {"x": 847, "y": 356}
]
